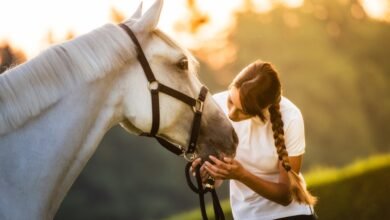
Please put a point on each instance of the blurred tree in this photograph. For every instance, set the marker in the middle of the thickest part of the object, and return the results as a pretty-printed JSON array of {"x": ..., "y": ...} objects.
[
  {"x": 9, "y": 57},
  {"x": 116, "y": 15},
  {"x": 333, "y": 63},
  {"x": 194, "y": 20}
]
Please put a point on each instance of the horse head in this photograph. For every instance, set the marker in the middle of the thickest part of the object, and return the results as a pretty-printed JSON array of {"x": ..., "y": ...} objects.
[{"x": 174, "y": 67}]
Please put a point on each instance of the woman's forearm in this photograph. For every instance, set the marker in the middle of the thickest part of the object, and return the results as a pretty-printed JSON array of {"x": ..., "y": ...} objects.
[
  {"x": 232, "y": 169},
  {"x": 276, "y": 192}
]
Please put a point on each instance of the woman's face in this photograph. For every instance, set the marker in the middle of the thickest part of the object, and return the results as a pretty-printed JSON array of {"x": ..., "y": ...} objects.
[{"x": 236, "y": 112}]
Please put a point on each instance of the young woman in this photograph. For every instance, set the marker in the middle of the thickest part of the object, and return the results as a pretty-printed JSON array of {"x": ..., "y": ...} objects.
[{"x": 266, "y": 182}]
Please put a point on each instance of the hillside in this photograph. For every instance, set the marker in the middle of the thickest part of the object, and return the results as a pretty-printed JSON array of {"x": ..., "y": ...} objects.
[{"x": 358, "y": 191}]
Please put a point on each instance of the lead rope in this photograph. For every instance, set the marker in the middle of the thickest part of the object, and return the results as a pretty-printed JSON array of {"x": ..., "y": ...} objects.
[{"x": 218, "y": 212}]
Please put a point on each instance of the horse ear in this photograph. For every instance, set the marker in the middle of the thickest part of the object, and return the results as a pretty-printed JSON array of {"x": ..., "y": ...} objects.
[
  {"x": 137, "y": 14},
  {"x": 149, "y": 20}
]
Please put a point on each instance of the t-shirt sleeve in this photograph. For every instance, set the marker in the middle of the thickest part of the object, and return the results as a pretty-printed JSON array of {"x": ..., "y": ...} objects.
[
  {"x": 221, "y": 100},
  {"x": 295, "y": 136}
]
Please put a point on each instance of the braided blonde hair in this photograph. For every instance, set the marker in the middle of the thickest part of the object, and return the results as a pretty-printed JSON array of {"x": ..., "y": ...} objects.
[{"x": 260, "y": 88}]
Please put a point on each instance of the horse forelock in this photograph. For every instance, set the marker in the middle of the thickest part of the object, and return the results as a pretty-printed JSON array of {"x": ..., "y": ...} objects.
[{"x": 30, "y": 88}]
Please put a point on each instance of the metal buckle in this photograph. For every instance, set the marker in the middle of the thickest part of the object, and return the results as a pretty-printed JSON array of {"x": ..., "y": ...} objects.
[
  {"x": 190, "y": 156},
  {"x": 210, "y": 182},
  {"x": 208, "y": 185},
  {"x": 153, "y": 86},
  {"x": 198, "y": 107}
]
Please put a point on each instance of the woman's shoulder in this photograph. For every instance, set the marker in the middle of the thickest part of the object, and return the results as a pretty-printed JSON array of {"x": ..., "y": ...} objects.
[
  {"x": 289, "y": 109},
  {"x": 221, "y": 95},
  {"x": 221, "y": 99}
]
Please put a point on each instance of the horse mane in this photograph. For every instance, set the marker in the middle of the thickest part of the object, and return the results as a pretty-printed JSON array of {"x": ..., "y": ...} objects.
[{"x": 29, "y": 88}]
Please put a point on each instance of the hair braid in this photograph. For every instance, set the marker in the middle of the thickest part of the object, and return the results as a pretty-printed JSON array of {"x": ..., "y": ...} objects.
[
  {"x": 299, "y": 192},
  {"x": 260, "y": 87}
]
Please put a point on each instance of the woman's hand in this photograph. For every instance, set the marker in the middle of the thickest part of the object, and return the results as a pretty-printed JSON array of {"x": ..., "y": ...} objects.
[
  {"x": 203, "y": 173},
  {"x": 227, "y": 169}
]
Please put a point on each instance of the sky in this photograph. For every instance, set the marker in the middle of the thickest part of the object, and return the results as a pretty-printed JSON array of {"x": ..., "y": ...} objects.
[{"x": 26, "y": 23}]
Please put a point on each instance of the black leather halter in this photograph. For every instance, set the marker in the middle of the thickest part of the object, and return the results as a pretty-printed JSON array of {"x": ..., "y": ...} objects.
[{"x": 155, "y": 88}]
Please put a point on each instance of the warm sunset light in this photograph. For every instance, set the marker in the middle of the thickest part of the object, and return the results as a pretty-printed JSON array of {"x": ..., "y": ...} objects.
[
  {"x": 293, "y": 98},
  {"x": 376, "y": 8},
  {"x": 26, "y": 24},
  {"x": 31, "y": 25}
]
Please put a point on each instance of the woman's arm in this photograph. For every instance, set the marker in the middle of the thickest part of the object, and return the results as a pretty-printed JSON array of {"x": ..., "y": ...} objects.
[{"x": 231, "y": 169}]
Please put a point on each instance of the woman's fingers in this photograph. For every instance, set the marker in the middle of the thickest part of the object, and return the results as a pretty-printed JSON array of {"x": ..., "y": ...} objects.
[
  {"x": 219, "y": 170},
  {"x": 228, "y": 160},
  {"x": 203, "y": 171},
  {"x": 194, "y": 164},
  {"x": 219, "y": 163},
  {"x": 216, "y": 171},
  {"x": 212, "y": 173}
]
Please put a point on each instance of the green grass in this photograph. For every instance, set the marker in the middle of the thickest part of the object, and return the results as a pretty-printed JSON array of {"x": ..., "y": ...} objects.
[{"x": 357, "y": 191}]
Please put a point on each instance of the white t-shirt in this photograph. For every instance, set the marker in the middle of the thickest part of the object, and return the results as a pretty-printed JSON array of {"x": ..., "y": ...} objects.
[{"x": 257, "y": 153}]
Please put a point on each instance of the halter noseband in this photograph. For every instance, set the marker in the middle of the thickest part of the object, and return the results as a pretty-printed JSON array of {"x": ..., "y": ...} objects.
[{"x": 155, "y": 88}]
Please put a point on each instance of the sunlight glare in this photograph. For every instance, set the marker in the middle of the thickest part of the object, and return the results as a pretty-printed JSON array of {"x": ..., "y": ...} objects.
[
  {"x": 26, "y": 24},
  {"x": 376, "y": 8},
  {"x": 293, "y": 3},
  {"x": 261, "y": 6}
]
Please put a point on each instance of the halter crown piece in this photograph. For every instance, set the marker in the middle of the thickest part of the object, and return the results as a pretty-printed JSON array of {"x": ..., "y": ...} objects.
[{"x": 155, "y": 88}]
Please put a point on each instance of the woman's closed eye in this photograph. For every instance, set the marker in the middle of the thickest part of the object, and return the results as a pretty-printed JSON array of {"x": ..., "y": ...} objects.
[{"x": 234, "y": 108}]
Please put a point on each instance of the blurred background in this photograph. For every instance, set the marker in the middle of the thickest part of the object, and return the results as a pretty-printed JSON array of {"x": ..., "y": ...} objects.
[{"x": 334, "y": 60}]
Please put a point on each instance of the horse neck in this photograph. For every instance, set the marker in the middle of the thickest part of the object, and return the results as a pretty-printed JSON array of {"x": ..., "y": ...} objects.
[{"x": 44, "y": 157}]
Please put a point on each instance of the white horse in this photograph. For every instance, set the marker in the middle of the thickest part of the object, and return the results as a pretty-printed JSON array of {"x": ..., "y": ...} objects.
[{"x": 56, "y": 108}]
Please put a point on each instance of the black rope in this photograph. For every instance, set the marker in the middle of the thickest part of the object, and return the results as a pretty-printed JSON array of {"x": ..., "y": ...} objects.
[{"x": 218, "y": 211}]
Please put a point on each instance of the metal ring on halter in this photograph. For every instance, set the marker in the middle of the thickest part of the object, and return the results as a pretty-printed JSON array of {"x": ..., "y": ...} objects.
[
  {"x": 190, "y": 156},
  {"x": 153, "y": 86}
]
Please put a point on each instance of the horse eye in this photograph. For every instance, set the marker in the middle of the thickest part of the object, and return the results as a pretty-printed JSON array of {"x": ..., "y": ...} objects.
[{"x": 183, "y": 64}]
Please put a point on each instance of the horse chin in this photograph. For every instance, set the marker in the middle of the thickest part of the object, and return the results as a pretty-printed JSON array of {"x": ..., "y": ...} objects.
[{"x": 207, "y": 151}]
